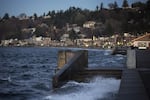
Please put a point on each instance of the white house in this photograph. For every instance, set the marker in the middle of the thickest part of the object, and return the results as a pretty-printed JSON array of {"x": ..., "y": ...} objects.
[
  {"x": 29, "y": 30},
  {"x": 64, "y": 37},
  {"x": 23, "y": 16},
  {"x": 89, "y": 24},
  {"x": 142, "y": 42}
]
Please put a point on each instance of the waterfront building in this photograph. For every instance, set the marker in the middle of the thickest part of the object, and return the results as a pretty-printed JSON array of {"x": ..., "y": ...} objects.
[{"x": 142, "y": 42}]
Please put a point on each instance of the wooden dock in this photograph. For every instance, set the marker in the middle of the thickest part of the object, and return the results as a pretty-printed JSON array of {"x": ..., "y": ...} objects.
[{"x": 134, "y": 81}]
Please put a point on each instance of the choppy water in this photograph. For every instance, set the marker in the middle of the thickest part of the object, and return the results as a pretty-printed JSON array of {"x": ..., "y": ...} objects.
[
  {"x": 26, "y": 74},
  {"x": 98, "y": 88}
]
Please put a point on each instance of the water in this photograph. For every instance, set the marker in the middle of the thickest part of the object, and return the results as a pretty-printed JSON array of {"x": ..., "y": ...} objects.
[
  {"x": 26, "y": 74},
  {"x": 98, "y": 88}
]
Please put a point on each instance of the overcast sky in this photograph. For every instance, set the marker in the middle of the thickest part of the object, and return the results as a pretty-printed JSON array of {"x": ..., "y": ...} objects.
[{"x": 29, "y": 7}]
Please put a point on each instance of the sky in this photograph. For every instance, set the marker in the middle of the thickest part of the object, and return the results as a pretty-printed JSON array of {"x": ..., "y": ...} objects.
[{"x": 29, "y": 7}]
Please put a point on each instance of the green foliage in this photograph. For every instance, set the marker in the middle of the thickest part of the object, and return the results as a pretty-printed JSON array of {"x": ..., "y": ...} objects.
[
  {"x": 113, "y": 5},
  {"x": 73, "y": 35},
  {"x": 138, "y": 4},
  {"x": 109, "y": 30},
  {"x": 35, "y": 16},
  {"x": 41, "y": 31},
  {"x": 125, "y": 4},
  {"x": 101, "y": 6}
]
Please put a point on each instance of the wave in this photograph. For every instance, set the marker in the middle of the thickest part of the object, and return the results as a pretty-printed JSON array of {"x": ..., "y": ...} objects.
[{"x": 96, "y": 89}]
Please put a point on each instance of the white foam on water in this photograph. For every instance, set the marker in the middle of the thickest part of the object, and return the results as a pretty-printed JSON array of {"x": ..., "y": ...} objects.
[
  {"x": 107, "y": 52},
  {"x": 97, "y": 89}
]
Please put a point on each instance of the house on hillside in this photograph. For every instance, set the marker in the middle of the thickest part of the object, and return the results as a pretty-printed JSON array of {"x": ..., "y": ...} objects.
[
  {"x": 64, "y": 37},
  {"x": 23, "y": 16},
  {"x": 142, "y": 42},
  {"x": 89, "y": 24},
  {"x": 74, "y": 27},
  {"x": 28, "y": 30}
]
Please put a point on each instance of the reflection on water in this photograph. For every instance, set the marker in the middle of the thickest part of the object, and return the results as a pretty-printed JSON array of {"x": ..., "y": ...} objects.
[{"x": 26, "y": 72}]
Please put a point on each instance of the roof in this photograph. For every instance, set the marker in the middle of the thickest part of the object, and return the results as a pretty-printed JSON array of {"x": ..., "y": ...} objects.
[{"x": 145, "y": 37}]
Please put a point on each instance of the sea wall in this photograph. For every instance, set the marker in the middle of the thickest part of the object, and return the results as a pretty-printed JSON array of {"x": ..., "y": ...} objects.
[
  {"x": 138, "y": 59},
  {"x": 77, "y": 62}
]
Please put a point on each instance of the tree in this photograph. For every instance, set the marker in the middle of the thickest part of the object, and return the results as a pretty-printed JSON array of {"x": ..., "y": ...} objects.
[
  {"x": 138, "y": 4},
  {"x": 111, "y": 5},
  {"x": 13, "y": 17},
  {"x": 35, "y": 16},
  {"x": 42, "y": 30},
  {"x": 49, "y": 13},
  {"x": 73, "y": 35},
  {"x": 6, "y": 16},
  {"x": 53, "y": 13},
  {"x": 115, "y": 5},
  {"x": 101, "y": 7},
  {"x": 79, "y": 19},
  {"x": 44, "y": 14},
  {"x": 109, "y": 29},
  {"x": 125, "y": 4},
  {"x": 97, "y": 8}
]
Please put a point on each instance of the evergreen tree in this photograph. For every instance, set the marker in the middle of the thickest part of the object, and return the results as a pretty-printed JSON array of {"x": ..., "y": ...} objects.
[
  {"x": 101, "y": 7},
  {"x": 44, "y": 14},
  {"x": 6, "y": 16},
  {"x": 35, "y": 16},
  {"x": 73, "y": 35},
  {"x": 97, "y": 8},
  {"x": 111, "y": 5},
  {"x": 109, "y": 29},
  {"x": 49, "y": 13},
  {"x": 125, "y": 4},
  {"x": 115, "y": 5},
  {"x": 138, "y": 4}
]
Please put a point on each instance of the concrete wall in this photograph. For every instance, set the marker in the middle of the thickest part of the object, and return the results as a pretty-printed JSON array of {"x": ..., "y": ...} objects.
[
  {"x": 143, "y": 58},
  {"x": 131, "y": 59},
  {"x": 77, "y": 63},
  {"x": 138, "y": 59},
  {"x": 63, "y": 57}
]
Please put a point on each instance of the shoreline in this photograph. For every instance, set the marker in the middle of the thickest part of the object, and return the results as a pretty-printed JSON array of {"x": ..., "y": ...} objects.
[{"x": 59, "y": 47}]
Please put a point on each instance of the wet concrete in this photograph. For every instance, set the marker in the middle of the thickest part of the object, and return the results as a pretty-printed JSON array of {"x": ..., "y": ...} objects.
[{"x": 132, "y": 86}]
